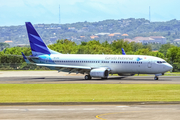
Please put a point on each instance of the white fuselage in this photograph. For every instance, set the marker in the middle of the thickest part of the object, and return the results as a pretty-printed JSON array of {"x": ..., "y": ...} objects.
[{"x": 134, "y": 64}]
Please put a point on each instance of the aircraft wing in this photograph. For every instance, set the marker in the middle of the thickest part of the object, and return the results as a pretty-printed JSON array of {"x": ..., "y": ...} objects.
[
  {"x": 71, "y": 68},
  {"x": 68, "y": 68}
]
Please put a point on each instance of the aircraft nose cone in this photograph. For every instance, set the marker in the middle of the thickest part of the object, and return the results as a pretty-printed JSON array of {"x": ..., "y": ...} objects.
[{"x": 169, "y": 67}]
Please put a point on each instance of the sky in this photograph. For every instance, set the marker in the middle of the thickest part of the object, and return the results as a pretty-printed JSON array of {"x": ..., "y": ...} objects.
[{"x": 16, "y": 12}]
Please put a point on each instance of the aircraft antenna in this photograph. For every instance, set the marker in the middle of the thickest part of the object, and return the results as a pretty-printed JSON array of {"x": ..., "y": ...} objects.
[
  {"x": 59, "y": 15},
  {"x": 149, "y": 13}
]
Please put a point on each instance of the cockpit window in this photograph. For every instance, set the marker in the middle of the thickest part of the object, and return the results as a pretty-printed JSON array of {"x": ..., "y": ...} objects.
[{"x": 161, "y": 61}]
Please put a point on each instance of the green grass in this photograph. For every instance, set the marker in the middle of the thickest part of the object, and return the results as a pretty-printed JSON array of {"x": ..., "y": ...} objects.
[{"x": 88, "y": 92}]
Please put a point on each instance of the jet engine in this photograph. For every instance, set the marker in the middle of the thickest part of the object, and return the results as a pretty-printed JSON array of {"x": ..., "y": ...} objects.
[
  {"x": 124, "y": 74},
  {"x": 101, "y": 72}
]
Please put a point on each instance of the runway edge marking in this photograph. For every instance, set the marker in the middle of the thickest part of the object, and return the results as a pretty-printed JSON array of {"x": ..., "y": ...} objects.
[{"x": 89, "y": 103}]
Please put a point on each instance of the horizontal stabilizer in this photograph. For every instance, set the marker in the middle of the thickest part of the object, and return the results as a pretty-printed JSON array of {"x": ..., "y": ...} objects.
[
  {"x": 27, "y": 61},
  {"x": 21, "y": 56}
]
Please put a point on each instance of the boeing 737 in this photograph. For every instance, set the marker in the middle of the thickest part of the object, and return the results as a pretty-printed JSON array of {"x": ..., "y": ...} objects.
[{"x": 98, "y": 66}]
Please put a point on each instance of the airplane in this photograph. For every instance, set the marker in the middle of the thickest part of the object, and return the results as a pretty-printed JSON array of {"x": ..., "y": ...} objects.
[{"x": 94, "y": 66}]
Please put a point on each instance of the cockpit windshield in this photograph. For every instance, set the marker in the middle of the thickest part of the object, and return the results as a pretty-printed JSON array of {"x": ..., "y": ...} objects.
[{"x": 161, "y": 61}]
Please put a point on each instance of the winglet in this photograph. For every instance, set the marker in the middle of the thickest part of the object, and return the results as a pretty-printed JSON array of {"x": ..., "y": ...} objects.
[
  {"x": 123, "y": 52},
  {"x": 27, "y": 61}
]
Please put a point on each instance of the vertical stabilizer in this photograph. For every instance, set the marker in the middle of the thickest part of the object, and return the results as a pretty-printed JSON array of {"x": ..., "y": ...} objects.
[{"x": 38, "y": 47}]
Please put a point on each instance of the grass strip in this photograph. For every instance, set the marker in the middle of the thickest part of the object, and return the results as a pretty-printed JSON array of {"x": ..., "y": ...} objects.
[{"x": 88, "y": 92}]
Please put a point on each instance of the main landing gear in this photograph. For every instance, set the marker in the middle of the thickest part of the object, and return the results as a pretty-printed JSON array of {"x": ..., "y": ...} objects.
[
  {"x": 156, "y": 78},
  {"x": 87, "y": 77}
]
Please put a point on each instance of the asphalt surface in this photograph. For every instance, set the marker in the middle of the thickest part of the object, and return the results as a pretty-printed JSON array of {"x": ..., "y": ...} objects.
[
  {"x": 41, "y": 77},
  {"x": 93, "y": 112},
  {"x": 81, "y": 80}
]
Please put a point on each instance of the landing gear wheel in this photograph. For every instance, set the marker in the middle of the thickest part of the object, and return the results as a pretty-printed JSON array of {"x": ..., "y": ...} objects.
[
  {"x": 155, "y": 78},
  {"x": 87, "y": 77}
]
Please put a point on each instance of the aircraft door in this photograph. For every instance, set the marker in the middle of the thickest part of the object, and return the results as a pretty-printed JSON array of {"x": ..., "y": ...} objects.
[{"x": 149, "y": 64}]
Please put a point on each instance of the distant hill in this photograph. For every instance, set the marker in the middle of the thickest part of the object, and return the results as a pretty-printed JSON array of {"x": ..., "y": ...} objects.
[{"x": 103, "y": 30}]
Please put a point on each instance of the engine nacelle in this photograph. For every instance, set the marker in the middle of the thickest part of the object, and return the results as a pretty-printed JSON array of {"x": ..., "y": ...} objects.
[
  {"x": 102, "y": 73},
  {"x": 122, "y": 74}
]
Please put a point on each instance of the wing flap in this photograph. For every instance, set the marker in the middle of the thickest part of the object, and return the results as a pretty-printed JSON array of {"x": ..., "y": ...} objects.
[{"x": 65, "y": 66}]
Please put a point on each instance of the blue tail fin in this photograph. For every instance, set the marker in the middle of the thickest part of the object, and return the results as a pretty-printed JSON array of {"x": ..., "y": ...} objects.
[
  {"x": 123, "y": 52},
  {"x": 38, "y": 47}
]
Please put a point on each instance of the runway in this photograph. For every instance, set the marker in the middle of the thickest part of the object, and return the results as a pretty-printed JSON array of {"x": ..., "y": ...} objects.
[
  {"x": 53, "y": 77},
  {"x": 80, "y": 80},
  {"x": 93, "y": 112}
]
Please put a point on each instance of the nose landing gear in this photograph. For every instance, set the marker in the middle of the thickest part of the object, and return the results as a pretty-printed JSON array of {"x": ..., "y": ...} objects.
[{"x": 156, "y": 78}]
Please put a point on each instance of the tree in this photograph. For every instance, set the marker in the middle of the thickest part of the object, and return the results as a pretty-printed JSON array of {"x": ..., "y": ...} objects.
[
  {"x": 143, "y": 52},
  {"x": 173, "y": 54},
  {"x": 64, "y": 46},
  {"x": 118, "y": 44},
  {"x": 136, "y": 46},
  {"x": 94, "y": 47},
  {"x": 157, "y": 54},
  {"x": 3, "y": 46},
  {"x": 164, "y": 48}
]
